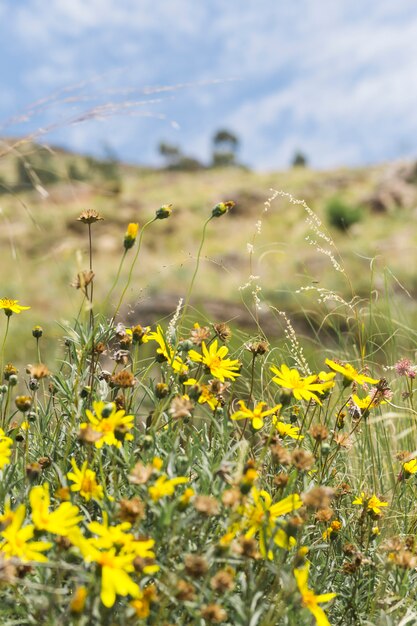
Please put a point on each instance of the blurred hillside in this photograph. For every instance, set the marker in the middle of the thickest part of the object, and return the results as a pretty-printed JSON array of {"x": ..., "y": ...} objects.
[{"x": 369, "y": 213}]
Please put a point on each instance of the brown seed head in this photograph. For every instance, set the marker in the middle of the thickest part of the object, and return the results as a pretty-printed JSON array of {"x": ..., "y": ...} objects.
[
  {"x": 200, "y": 334},
  {"x": 39, "y": 371},
  {"x": 223, "y": 581},
  {"x": 131, "y": 510},
  {"x": 207, "y": 505},
  {"x": 213, "y": 613},
  {"x": 195, "y": 565},
  {"x": 123, "y": 379},
  {"x": 302, "y": 460},
  {"x": 281, "y": 480},
  {"x": 185, "y": 591},
  {"x": 89, "y": 216},
  {"x": 222, "y": 331},
  {"x": 181, "y": 407},
  {"x": 318, "y": 497},
  {"x": 324, "y": 515},
  {"x": 319, "y": 432},
  {"x": 258, "y": 348}
]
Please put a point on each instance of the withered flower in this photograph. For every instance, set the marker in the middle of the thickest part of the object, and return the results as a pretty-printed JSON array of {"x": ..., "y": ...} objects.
[{"x": 89, "y": 216}]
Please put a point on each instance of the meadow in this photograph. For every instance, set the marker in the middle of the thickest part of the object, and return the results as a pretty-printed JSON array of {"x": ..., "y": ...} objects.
[{"x": 219, "y": 426}]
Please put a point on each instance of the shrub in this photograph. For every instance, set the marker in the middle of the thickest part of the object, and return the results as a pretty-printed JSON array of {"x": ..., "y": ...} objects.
[{"x": 343, "y": 215}]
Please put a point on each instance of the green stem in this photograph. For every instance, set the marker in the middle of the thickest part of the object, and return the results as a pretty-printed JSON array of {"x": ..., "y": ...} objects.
[
  {"x": 129, "y": 278},
  {"x": 197, "y": 265},
  {"x": 3, "y": 346},
  {"x": 116, "y": 280}
]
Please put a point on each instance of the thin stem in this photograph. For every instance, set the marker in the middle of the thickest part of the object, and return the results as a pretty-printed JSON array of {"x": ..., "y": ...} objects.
[
  {"x": 3, "y": 346},
  {"x": 116, "y": 280},
  {"x": 129, "y": 278},
  {"x": 197, "y": 265}
]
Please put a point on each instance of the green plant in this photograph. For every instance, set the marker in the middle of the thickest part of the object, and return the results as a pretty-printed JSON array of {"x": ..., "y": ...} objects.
[{"x": 343, "y": 215}]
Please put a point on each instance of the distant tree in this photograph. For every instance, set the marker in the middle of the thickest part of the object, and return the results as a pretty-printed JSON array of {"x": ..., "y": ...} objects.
[
  {"x": 225, "y": 147},
  {"x": 299, "y": 160},
  {"x": 172, "y": 154}
]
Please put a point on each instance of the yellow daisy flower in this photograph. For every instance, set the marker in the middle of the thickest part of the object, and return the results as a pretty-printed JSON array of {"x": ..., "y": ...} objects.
[
  {"x": 350, "y": 374},
  {"x": 112, "y": 425},
  {"x": 5, "y": 449},
  {"x": 256, "y": 414},
  {"x": 214, "y": 359},
  {"x": 15, "y": 539},
  {"x": 373, "y": 503},
  {"x": 85, "y": 482},
  {"x": 11, "y": 306},
  {"x": 301, "y": 388},
  {"x": 59, "y": 522},
  {"x": 309, "y": 599}
]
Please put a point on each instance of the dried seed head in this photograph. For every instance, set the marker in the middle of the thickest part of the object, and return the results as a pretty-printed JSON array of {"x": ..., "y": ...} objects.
[
  {"x": 222, "y": 331},
  {"x": 302, "y": 460},
  {"x": 185, "y": 591},
  {"x": 131, "y": 510},
  {"x": 213, "y": 613},
  {"x": 39, "y": 371},
  {"x": 324, "y": 515},
  {"x": 319, "y": 432},
  {"x": 207, "y": 505},
  {"x": 195, "y": 565},
  {"x": 181, "y": 408},
  {"x": 223, "y": 581},
  {"x": 83, "y": 279},
  {"x": 318, "y": 497},
  {"x": 281, "y": 480},
  {"x": 89, "y": 216},
  {"x": 123, "y": 380},
  {"x": 258, "y": 348},
  {"x": 200, "y": 334}
]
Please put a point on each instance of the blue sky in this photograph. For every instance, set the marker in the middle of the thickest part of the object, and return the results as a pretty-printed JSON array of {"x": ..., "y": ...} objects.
[{"x": 334, "y": 78}]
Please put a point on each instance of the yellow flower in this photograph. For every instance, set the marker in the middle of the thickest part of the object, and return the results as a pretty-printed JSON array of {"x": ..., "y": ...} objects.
[
  {"x": 115, "y": 579},
  {"x": 410, "y": 467},
  {"x": 301, "y": 388},
  {"x": 59, "y": 522},
  {"x": 11, "y": 306},
  {"x": 118, "y": 537},
  {"x": 186, "y": 497},
  {"x": 165, "y": 351},
  {"x": 5, "y": 449},
  {"x": 110, "y": 423},
  {"x": 350, "y": 374},
  {"x": 309, "y": 598},
  {"x": 165, "y": 486},
  {"x": 206, "y": 396},
  {"x": 287, "y": 430},
  {"x": 259, "y": 515},
  {"x": 157, "y": 463},
  {"x": 372, "y": 503},
  {"x": 142, "y": 604},
  {"x": 163, "y": 212},
  {"x": 77, "y": 603},
  {"x": 255, "y": 414},
  {"x": 368, "y": 402},
  {"x": 15, "y": 540},
  {"x": 130, "y": 236},
  {"x": 214, "y": 359},
  {"x": 85, "y": 482},
  {"x": 333, "y": 529}
]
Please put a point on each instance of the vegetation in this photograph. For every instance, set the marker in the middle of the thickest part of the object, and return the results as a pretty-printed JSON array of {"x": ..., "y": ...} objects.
[
  {"x": 342, "y": 215},
  {"x": 190, "y": 472}
]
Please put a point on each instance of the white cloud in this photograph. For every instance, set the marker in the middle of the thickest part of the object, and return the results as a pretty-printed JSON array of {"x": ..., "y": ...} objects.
[{"x": 334, "y": 78}]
